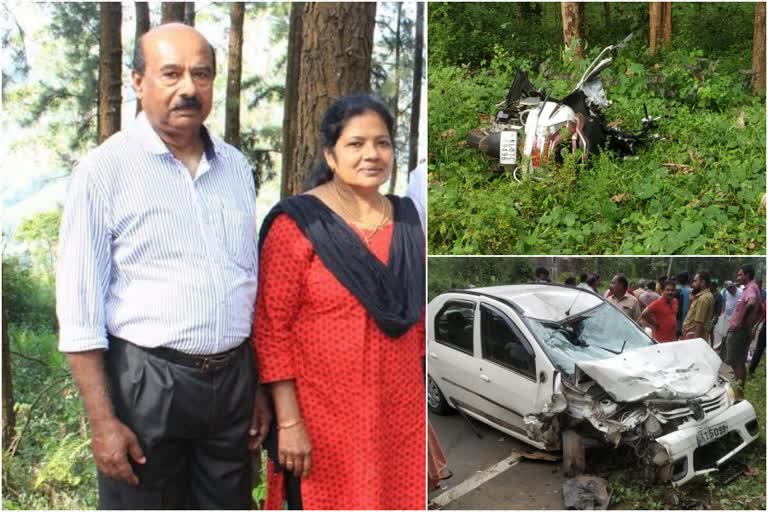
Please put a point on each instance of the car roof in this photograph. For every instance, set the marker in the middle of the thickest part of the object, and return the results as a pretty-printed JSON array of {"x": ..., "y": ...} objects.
[{"x": 541, "y": 301}]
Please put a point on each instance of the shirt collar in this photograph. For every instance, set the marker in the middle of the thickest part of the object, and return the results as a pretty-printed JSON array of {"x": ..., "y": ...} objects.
[{"x": 146, "y": 135}]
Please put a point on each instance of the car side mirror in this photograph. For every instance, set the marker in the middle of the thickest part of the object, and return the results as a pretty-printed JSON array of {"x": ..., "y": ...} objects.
[{"x": 542, "y": 376}]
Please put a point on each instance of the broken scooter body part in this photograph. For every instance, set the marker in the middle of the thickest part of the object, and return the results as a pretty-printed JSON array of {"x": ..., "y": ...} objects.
[
  {"x": 531, "y": 128},
  {"x": 562, "y": 368}
]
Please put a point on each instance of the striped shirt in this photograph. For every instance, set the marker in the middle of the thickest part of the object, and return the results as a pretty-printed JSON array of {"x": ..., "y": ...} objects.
[{"x": 153, "y": 256}]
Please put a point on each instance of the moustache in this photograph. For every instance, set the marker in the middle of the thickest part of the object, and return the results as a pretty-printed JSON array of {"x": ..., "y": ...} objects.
[{"x": 188, "y": 103}]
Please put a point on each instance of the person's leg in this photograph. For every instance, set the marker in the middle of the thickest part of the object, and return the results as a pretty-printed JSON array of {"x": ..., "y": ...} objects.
[
  {"x": 142, "y": 389},
  {"x": 759, "y": 349},
  {"x": 737, "y": 346},
  {"x": 220, "y": 468}
]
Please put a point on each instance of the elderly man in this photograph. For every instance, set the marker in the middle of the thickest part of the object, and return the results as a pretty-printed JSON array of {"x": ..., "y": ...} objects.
[
  {"x": 155, "y": 292},
  {"x": 745, "y": 316},
  {"x": 701, "y": 310},
  {"x": 624, "y": 300}
]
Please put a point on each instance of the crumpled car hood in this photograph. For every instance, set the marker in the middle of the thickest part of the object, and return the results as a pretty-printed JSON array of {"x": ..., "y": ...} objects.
[{"x": 677, "y": 370}]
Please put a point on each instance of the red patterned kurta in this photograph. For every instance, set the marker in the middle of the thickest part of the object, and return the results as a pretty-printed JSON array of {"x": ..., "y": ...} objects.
[{"x": 361, "y": 393}]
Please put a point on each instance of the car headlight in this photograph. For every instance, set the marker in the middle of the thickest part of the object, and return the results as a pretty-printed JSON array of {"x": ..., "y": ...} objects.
[{"x": 731, "y": 393}]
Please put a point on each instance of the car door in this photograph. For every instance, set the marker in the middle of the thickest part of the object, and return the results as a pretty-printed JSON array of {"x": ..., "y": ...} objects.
[
  {"x": 451, "y": 350},
  {"x": 516, "y": 376}
]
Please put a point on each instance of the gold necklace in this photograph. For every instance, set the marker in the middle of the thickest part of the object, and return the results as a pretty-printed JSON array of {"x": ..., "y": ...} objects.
[{"x": 384, "y": 206}]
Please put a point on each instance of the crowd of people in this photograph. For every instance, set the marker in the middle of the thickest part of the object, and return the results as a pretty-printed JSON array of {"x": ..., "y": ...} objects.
[{"x": 675, "y": 308}]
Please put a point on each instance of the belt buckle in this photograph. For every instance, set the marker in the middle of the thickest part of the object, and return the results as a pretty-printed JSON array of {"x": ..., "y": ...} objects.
[{"x": 206, "y": 364}]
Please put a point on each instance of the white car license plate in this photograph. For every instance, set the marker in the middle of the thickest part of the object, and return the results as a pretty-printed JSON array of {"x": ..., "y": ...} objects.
[
  {"x": 508, "y": 148},
  {"x": 709, "y": 434}
]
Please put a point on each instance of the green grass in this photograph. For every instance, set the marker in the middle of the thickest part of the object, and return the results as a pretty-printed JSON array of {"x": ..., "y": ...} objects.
[{"x": 611, "y": 205}]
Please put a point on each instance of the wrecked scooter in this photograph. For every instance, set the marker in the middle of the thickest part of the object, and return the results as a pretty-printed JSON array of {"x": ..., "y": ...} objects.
[{"x": 545, "y": 129}]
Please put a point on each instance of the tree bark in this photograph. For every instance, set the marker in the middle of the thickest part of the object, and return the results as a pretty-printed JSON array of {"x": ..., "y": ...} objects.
[
  {"x": 142, "y": 26},
  {"x": 607, "y": 12},
  {"x": 396, "y": 99},
  {"x": 418, "y": 69},
  {"x": 234, "y": 73},
  {"x": 172, "y": 12},
  {"x": 660, "y": 25},
  {"x": 337, "y": 39},
  {"x": 573, "y": 26},
  {"x": 290, "y": 101},
  {"x": 666, "y": 36},
  {"x": 9, "y": 415},
  {"x": 110, "y": 69},
  {"x": 758, "y": 50},
  {"x": 189, "y": 13}
]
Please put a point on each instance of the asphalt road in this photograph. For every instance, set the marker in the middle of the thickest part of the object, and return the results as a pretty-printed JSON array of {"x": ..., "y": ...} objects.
[{"x": 485, "y": 476}]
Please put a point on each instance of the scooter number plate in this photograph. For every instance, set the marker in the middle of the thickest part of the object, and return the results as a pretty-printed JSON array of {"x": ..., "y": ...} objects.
[
  {"x": 707, "y": 435},
  {"x": 508, "y": 148}
]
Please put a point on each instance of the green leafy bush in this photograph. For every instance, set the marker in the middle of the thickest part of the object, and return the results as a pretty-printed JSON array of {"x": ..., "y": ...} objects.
[{"x": 695, "y": 190}]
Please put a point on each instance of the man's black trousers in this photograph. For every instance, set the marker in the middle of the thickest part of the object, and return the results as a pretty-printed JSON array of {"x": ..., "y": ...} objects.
[{"x": 192, "y": 425}]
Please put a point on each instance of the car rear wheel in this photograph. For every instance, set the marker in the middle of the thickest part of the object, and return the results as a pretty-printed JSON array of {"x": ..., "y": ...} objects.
[{"x": 435, "y": 399}]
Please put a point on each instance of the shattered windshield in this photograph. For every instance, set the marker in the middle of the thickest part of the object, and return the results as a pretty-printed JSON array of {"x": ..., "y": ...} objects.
[{"x": 598, "y": 333}]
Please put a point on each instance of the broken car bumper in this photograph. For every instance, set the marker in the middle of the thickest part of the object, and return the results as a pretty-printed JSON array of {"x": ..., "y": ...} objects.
[{"x": 737, "y": 425}]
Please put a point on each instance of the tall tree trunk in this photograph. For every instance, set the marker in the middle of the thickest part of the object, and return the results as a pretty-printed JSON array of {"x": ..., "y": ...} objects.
[
  {"x": 189, "y": 13},
  {"x": 656, "y": 17},
  {"x": 234, "y": 73},
  {"x": 290, "y": 100},
  {"x": 335, "y": 61},
  {"x": 110, "y": 69},
  {"x": 9, "y": 415},
  {"x": 142, "y": 26},
  {"x": 396, "y": 99},
  {"x": 418, "y": 69},
  {"x": 172, "y": 11},
  {"x": 607, "y": 12},
  {"x": 758, "y": 50},
  {"x": 666, "y": 36},
  {"x": 573, "y": 26}
]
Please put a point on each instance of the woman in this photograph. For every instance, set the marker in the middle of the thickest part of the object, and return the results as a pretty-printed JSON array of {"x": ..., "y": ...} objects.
[{"x": 338, "y": 328}]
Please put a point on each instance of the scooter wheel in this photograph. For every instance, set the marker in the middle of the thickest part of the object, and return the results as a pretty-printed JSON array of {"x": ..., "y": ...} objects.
[{"x": 474, "y": 137}]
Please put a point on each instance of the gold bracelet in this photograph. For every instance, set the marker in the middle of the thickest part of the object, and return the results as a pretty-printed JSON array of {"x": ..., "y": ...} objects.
[{"x": 289, "y": 424}]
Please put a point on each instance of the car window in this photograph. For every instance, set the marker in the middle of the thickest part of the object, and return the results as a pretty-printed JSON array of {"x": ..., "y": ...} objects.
[
  {"x": 454, "y": 325},
  {"x": 600, "y": 333},
  {"x": 502, "y": 342}
]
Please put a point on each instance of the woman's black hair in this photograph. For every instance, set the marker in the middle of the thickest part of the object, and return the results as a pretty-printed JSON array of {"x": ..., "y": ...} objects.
[{"x": 334, "y": 120}]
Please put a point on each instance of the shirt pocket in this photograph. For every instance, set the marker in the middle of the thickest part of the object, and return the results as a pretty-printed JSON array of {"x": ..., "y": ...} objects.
[{"x": 237, "y": 233}]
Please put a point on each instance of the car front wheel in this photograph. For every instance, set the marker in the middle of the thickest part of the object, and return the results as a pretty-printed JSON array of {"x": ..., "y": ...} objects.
[{"x": 435, "y": 399}]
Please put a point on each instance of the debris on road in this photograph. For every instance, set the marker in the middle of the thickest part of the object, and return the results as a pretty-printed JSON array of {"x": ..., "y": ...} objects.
[
  {"x": 537, "y": 455},
  {"x": 586, "y": 492}
]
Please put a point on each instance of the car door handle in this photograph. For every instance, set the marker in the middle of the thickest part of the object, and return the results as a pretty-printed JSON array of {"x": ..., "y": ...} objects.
[
  {"x": 485, "y": 378},
  {"x": 433, "y": 355}
]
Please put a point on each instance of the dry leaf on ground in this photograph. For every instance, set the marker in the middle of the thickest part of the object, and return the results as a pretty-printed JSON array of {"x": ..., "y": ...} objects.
[
  {"x": 679, "y": 168},
  {"x": 620, "y": 197},
  {"x": 741, "y": 121}
]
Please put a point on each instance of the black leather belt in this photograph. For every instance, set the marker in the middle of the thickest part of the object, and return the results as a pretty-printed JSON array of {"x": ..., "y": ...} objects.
[{"x": 205, "y": 363}]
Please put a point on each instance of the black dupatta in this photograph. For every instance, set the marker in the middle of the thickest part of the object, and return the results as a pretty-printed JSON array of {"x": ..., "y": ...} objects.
[{"x": 392, "y": 294}]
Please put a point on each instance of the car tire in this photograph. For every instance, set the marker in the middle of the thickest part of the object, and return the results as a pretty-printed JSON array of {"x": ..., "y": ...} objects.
[
  {"x": 435, "y": 399},
  {"x": 574, "y": 453}
]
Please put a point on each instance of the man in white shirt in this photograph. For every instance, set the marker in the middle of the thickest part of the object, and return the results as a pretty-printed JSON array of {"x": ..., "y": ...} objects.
[{"x": 155, "y": 292}]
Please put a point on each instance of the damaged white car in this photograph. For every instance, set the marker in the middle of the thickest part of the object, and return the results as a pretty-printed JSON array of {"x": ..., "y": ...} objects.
[{"x": 560, "y": 367}]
